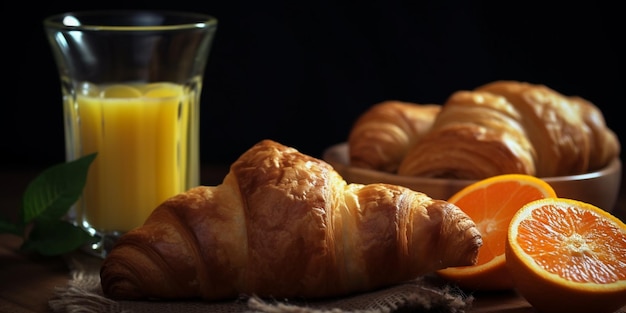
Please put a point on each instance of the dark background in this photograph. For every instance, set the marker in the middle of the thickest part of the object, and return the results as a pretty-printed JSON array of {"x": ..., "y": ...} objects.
[{"x": 300, "y": 72}]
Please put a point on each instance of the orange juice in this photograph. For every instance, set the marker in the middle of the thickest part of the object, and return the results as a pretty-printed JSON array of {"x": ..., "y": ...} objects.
[{"x": 145, "y": 137}]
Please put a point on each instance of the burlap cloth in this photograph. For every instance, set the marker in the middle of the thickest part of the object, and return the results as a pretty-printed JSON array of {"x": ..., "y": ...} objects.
[{"x": 83, "y": 294}]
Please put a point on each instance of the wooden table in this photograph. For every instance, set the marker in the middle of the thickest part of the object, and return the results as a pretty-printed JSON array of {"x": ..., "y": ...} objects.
[{"x": 27, "y": 282}]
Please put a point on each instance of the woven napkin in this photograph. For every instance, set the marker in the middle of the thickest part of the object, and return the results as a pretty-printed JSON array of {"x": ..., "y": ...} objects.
[{"x": 84, "y": 294}]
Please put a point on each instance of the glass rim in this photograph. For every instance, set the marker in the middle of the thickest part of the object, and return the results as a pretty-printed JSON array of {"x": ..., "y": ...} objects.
[{"x": 72, "y": 20}]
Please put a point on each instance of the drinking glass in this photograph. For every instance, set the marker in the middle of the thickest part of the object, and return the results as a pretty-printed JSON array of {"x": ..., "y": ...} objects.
[{"x": 131, "y": 84}]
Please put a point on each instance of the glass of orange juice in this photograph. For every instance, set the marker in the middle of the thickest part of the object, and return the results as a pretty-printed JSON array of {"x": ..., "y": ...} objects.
[{"x": 131, "y": 84}]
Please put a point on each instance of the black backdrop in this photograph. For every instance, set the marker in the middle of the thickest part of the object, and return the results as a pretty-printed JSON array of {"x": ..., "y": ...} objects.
[{"x": 300, "y": 72}]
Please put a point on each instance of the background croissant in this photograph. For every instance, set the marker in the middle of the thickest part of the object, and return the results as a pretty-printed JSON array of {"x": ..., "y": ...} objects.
[
  {"x": 284, "y": 224},
  {"x": 512, "y": 127},
  {"x": 380, "y": 137}
]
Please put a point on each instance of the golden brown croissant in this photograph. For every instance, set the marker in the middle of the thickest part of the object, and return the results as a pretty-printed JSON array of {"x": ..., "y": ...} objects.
[
  {"x": 477, "y": 134},
  {"x": 283, "y": 224},
  {"x": 512, "y": 127},
  {"x": 604, "y": 145},
  {"x": 381, "y": 136}
]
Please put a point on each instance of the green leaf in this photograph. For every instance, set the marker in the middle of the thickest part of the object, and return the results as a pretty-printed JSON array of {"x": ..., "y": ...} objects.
[
  {"x": 45, "y": 202},
  {"x": 55, "y": 237},
  {"x": 54, "y": 191}
]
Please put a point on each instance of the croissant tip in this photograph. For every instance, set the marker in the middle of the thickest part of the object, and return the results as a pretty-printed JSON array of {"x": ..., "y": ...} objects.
[
  {"x": 116, "y": 278},
  {"x": 116, "y": 286},
  {"x": 477, "y": 243}
]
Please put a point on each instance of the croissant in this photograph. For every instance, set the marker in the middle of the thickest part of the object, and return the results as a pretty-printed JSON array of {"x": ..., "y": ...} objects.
[
  {"x": 381, "y": 136},
  {"x": 604, "y": 144},
  {"x": 512, "y": 127},
  {"x": 283, "y": 224}
]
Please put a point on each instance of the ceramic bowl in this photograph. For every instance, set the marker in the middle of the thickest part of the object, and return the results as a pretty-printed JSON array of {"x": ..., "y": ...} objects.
[{"x": 600, "y": 188}]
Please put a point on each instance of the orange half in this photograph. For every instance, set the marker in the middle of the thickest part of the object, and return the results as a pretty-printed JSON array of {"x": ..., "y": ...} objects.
[
  {"x": 568, "y": 256},
  {"x": 491, "y": 203}
]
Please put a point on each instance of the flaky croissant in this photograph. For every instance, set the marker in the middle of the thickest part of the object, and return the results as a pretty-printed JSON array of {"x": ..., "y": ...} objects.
[
  {"x": 382, "y": 135},
  {"x": 512, "y": 127},
  {"x": 283, "y": 224}
]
